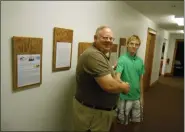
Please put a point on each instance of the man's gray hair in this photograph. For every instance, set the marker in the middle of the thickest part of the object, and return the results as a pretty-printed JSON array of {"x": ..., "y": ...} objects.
[{"x": 100, "y": 28}]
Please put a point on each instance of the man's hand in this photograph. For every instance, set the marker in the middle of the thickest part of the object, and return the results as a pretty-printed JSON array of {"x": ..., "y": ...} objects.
[
  {"x": 126, "y": 87},
  {"x": 118, "y": 79}
]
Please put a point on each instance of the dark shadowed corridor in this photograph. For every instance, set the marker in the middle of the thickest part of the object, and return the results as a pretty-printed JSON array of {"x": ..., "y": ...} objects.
[{"x": 164, "y": 107}]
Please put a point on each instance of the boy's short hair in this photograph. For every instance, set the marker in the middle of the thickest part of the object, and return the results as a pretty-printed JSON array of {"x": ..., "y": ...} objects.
[{"x": 133, "y": 37}]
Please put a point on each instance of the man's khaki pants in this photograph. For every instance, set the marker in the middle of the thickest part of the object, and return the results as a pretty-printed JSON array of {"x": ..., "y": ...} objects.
[{"x": 86, "y": 118}]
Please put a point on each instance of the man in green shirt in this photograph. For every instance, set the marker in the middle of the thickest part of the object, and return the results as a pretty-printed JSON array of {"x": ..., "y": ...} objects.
[{"x": 130, "y": 68}]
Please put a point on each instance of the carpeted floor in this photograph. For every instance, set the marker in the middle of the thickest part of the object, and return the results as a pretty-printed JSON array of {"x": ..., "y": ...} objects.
[{"x": 164, "y": 107}]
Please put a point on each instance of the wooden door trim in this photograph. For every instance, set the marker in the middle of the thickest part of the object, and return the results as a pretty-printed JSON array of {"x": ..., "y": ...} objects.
[
  {"x": 174, "y": 54},
  {"x": 149, "y": 31},
  {"x": 152, "y": 31}
]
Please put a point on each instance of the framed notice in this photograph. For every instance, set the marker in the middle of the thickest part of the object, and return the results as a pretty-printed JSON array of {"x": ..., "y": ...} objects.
[
  {"x": 82, "y": 46},
  {"x": 62, "y": 49},
  {"x": 27, "y": 62},
  {"x": 122, "y": 46},
  {"x": 114, "y": 54}
]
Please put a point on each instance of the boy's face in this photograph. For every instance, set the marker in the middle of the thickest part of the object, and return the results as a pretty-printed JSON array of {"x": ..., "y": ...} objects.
[{"x": 133, "y": 46}]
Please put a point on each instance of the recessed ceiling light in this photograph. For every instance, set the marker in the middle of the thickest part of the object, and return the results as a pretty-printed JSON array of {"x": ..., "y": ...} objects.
[
  {"x": 181, "y": 31},
  {"x": 180, "y": 21}
]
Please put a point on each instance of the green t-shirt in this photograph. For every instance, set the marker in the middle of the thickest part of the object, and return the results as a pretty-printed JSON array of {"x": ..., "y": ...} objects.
[{"x": 131, "y": 69}]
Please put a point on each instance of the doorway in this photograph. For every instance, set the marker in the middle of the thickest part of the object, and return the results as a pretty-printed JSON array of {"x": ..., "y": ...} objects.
[
  {"x": 178, "y": 60},
  {"x": 149, "y": 54},
  {"x": 162, "y": 57}
]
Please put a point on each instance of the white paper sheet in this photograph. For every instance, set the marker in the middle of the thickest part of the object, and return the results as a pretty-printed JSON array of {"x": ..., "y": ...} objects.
[
  {"x": 63, "y": 54},
  {"x": 28, "y": 69}
]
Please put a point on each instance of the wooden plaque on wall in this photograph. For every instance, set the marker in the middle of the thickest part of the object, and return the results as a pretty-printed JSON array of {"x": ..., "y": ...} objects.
[
  {"x": 121, "y": 44},
  {"x": 113, "y": 54},
  {"x": 62, "y": 49},
  {"x": 27, "y": 61},
  {"x": 82, "y": 46},
  {"x": 114, "y": 48}
]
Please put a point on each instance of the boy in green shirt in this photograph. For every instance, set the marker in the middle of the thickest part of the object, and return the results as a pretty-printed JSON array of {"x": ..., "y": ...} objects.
[{"x": 130, "y": 68}]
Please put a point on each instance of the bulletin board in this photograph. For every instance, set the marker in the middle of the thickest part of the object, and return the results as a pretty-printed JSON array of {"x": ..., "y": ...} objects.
[
  {"x": 113, "y": 54},
  {"x": 62, "y": 49},
  {"x": 114, "y": 48},
  {"x": 122, "y": 45},
  {"x": 27, "y": 62},
  {"x": 82, "y": 46}
]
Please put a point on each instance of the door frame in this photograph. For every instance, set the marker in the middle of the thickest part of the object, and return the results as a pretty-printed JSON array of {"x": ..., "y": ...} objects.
[
  {"x": 149, "y": 31},
  {"x": 162, "y": 62},
  {"x": 174, "y": 54}
]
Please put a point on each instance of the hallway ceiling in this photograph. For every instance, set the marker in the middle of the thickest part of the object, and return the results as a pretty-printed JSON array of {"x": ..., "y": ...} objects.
[{"x": 161, "y": 12}]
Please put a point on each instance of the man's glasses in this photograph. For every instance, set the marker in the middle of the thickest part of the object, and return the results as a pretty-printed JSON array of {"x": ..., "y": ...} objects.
[{"x": 107, "y": 38}]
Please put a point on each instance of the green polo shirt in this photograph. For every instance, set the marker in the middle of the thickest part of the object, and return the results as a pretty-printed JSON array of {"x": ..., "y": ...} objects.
[{"x": 131, "y": 69}]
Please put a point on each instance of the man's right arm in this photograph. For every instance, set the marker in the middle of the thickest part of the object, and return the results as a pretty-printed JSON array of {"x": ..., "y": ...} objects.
[
  {"x": 118, "y": 76},
  {"x": 112, "y": 85},
  {"x": 96, "y": 66}
]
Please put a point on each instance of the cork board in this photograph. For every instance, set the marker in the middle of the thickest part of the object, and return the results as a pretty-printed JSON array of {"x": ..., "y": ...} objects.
[
  {"x": 27, "y": 62},
  {"x": 62, "y": 49},
  {"x": 113, "y": 54},
  {"x": 121, "y": 45},
  {"x": 114, "y": 48},
  {"x": 82, "y": 46}
]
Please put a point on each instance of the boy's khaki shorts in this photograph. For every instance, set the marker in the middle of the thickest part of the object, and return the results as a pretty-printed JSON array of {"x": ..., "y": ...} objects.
[{"x": 129, "y": 111}]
